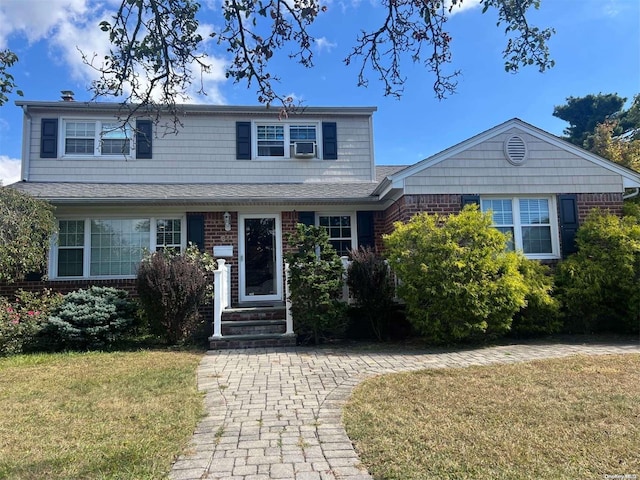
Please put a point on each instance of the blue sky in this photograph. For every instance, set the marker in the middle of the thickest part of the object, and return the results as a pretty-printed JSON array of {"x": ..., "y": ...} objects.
[{"x": 596, "y": 49}]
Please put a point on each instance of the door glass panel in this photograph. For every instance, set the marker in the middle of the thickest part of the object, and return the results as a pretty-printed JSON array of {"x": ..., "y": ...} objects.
[{"x": 260, "y": 256}]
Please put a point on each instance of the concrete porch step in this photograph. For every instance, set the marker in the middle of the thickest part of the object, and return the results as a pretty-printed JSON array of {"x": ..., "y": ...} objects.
[{"x": 252, "y": 341}]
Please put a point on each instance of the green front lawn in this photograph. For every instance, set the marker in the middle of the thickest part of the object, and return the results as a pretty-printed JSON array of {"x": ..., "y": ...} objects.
[
  {"x": 571, "y": 418},
  {"x": 96, "y": 415}
]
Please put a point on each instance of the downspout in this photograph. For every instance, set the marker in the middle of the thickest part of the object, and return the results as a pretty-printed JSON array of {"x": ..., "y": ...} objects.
[
  {"x": 26, "y": 143},
  {"x": 635, "y": 193}
]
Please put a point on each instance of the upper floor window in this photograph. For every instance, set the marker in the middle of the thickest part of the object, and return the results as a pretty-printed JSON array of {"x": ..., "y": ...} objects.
[
  {"x": 90, "y": 137},
  {"x": 287, "y": 140},
  {"x": 529, "y": 223}
]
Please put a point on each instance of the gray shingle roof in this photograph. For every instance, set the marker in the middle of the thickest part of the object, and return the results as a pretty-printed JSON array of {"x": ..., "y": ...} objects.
[{"x": 206, "y": 193}]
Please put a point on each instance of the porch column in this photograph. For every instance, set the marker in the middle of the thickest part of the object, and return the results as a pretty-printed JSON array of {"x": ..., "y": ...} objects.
[
  {"x": 219, "y": 297},
  {"x": 287, "y": 297}
]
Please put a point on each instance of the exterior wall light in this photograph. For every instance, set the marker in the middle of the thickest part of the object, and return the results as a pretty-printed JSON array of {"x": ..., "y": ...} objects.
[{"x": 227, "y": 221}]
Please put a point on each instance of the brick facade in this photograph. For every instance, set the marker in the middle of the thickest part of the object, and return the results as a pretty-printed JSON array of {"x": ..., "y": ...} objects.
[{"x": 611, "y": 202}]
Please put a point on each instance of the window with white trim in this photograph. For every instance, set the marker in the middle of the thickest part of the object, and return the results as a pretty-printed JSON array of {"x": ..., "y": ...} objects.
[
  {"x": 286, "y": 140},
  {"x": 94, "y": 137},
  {"x": 111, "y": 247},
  {"x": 339, "y": 228},
  {"x": 528, "y": 221}
]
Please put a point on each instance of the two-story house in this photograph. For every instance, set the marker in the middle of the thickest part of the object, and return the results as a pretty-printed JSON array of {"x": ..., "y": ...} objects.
[{"x": 234, "y": 180}]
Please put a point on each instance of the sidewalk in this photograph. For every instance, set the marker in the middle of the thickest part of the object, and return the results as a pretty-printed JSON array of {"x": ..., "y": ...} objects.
[{"x": 276, "y": 413}]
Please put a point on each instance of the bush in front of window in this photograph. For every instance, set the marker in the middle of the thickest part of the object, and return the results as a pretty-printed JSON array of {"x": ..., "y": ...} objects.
[
  {"x": 458, "y": 279},
  {"x": 599, "y": 285},
  {"x": 171, "y": 288},
  {"x": 315, "y": 285},
  {"x": 371, "y": 283},
  {"x": 87, "y": 319}
]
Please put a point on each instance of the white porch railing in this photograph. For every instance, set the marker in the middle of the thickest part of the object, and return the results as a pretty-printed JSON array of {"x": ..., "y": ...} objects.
[{"x": 221, "y": 294}]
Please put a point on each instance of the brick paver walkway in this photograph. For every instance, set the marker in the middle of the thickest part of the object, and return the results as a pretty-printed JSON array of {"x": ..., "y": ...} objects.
[{"x": 276, "y": 413}]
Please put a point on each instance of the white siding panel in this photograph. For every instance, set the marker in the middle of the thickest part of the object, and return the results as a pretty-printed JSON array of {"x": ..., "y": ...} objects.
[
  {"x": 204, "y": 151},
  {"x": 483, "y": 169}
]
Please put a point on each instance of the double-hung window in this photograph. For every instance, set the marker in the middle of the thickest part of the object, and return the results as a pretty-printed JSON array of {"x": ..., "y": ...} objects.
[
  {"x": 94, "y": 137},
  {"x": 112, "y": 247},
  {"x": 528, "y": 222},
  {"x": 287, "y": 140},
  {"x": 339, "y": 228}
]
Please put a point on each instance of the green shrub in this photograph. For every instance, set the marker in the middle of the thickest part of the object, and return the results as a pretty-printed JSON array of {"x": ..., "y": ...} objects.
[
  {"x": 22, "y": 320},
  {"x": 599, "y": 286},
  {"x": 457, "y": 278},
  {"x": 541, "y": 315},
  {"x": 371, "y": 284},
  {"x": 315, "y": 285},
  {"x": 92, "y": 318},
  {"x": 171, "y": 288}
]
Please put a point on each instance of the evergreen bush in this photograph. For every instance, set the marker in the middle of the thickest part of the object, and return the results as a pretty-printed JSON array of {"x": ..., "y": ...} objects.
[
  {"x": 599, "y": 285},
  {"x": 172, "y": 286},
  {"x": 315, "y": 285},
  {"x": 371, "y": 284},
  {"x": 93, "y": 318},
  {"x": 457, "y": 277}
]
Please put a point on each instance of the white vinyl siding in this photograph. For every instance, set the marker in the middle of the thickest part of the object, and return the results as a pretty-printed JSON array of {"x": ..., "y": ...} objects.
[
  {"x": 204, "y": 151},
  {"x": 529, "y": 223},
  {"x": 111, "y": 247}
]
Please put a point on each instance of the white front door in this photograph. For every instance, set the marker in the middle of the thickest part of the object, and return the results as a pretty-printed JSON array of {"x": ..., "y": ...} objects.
[{"x": 260, "y": 255}]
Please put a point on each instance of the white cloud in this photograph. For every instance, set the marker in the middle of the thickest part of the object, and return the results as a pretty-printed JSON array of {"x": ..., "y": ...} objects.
[
  {"x": 324, "y": 44},
  {"x": 9, "y": 170},
  {"x": 71, "y": 28},
  {"x": 462, "y": 6}
]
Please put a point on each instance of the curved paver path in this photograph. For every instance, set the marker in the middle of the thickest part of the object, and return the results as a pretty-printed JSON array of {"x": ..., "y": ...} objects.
[{"x": 276, "y": 413}]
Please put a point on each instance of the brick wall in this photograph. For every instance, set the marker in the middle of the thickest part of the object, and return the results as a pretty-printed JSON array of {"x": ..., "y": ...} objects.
[
  {"x": 408, "y": 205},
  {"x": 611, "y": 202}
]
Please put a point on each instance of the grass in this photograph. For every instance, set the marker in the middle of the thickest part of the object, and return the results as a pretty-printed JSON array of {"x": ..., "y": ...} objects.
[
  {"x": 577, "y": 417},
  {"x": 96, "y": 415}
]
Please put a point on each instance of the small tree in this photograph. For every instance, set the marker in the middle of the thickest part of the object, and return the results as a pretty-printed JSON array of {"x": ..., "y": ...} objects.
[
  {"x": 457, "y": 277},
  {"x": 599, "y": 286},
  {"x": 172, "y": 287},
  {"x": 371, "y": 284},
  {"x": 315, "y": 284},
  {"x": 26, "y": 226}
]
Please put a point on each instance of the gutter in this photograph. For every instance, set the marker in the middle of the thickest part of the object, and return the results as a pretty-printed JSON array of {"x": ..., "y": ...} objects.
[{"x": 26, "y": 144}]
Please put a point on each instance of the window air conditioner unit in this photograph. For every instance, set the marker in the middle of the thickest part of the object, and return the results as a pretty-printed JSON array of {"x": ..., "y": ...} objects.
[{"x": 304, "y": 149}]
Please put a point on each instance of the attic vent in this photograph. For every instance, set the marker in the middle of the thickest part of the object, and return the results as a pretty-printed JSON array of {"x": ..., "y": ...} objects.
[{"x": 515, "y": 149}]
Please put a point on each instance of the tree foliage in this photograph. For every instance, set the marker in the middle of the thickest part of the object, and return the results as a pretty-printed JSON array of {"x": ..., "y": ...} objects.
[
  {"x": 26, "y": 227},
  {"x": 456, "y": 275},
  {"x": 622, "y": 149},
  {"x": 315, "y": 285},
  {"x": 156, "y": 45},
  {"x": 7, "y": 82},
  {"x": 584, "y": 113}
]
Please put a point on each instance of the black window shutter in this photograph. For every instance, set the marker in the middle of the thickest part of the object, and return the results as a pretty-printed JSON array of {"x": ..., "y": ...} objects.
[
  {"x": 470, "y": 200},
  {"x": 366, "y": 231},
  {"x": 195, "y": 230},
  {"x": 329, "y": 141},
  {"x": 144, "y": 139},
  {"x": 243, "y": 140},
  {"x": 568, "y": 212},
  {"x": 49, "y": 138},
  {"x": 307, "y": 218}
]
